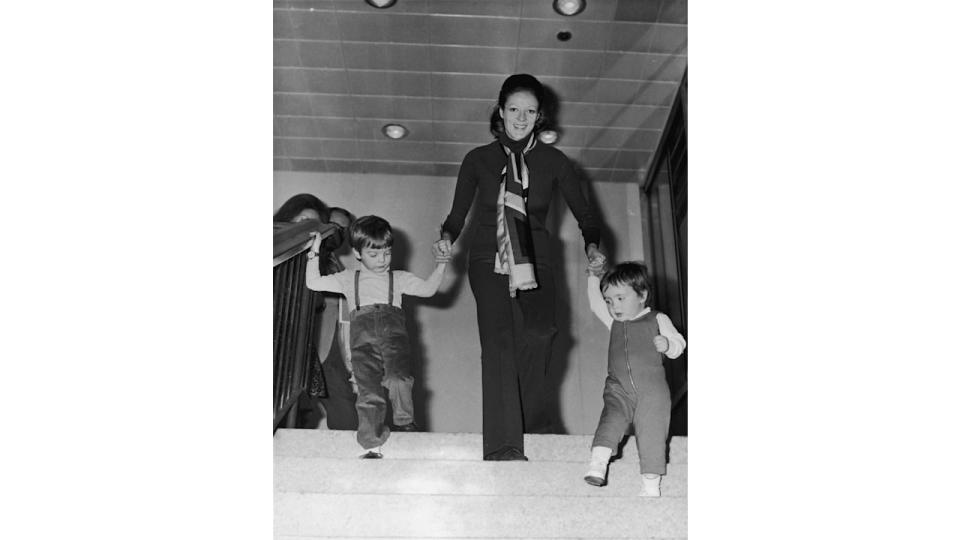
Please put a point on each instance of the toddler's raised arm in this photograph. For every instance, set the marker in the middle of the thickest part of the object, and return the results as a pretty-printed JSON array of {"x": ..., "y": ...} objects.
[{"x": 597, "y": 305}]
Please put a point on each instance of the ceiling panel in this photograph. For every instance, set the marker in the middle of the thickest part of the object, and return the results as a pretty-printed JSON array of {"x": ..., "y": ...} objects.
[
  {"x": 396, "y": 107},
  {"x": 462, "y": 132},
  {"x": 390, "y": 83},
  {"x": 318, "y": 54},
  {"x": 630, "y": 37},
  {"x": 541, "y": 34},
  {"x": 286, "y": 53},
  {"x": 318, "y": 81},
  {"x": 395, "y": 57},
  {"x": 308, "y": 24},
  {"x": 670, "y": 40},
  {"x": 476, "y": 31},
  {"x": 637, "y": 10},
  {"x": 545, "y": 62},
  {"x": 473, "y": 59},
  {"x": 498, "y": 8},
  {"x": 383, "y": 26},
  {"x": 673, "y": 11},
  {"x": 462, "y": 110},
  {"x": 335, "y": 128},
  {"x": 465, "y": 85},
  {"x": 343, "y": 69}
]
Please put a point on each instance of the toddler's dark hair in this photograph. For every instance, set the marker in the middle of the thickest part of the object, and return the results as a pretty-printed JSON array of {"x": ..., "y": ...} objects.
[
  {"x": 372, "y": 232},
  {"x": 631, "y": 273}
]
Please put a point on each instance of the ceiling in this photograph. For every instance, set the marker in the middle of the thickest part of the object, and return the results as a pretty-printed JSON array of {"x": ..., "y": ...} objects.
[{"x": 343, "y": 69}]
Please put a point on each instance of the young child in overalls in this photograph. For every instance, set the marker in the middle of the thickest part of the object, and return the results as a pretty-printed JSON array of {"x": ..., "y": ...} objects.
[
  {"x": 380, "y": 348},
  {"x": 635, "y": 391}
]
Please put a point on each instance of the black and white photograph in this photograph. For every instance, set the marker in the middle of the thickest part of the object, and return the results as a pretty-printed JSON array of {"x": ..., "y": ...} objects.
[
  {"x": 480, "y": 269},
  {"x": 541, "y": 269}
]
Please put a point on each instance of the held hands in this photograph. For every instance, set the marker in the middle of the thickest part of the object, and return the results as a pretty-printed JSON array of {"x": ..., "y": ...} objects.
[
  {"x": 661, "y": 344},
  {"x": 443, "y": 250},
  {"x": 596, "y": 261}
]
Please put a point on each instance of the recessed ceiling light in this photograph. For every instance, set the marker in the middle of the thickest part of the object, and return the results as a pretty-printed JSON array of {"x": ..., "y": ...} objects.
[
  {"x": 564, "y": 35},
  {"x": 381, "y": 4},
  {"x": 394, "y": 131},
  {"x": 548, "y": 136},
  {"x": 569, "y": 8}
]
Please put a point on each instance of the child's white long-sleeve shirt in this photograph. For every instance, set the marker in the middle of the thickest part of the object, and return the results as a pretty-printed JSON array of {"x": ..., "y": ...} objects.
[
  {"x": 373, "y": 286},
  {"x": 667, "y": 330}
]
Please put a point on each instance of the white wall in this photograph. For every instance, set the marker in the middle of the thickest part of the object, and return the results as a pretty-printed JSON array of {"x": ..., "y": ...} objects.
[{"x": 444, "y": 328}]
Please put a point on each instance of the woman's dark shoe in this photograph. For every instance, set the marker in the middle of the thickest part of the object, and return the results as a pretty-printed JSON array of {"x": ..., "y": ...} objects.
[
  {"x": 412, "y": 426},
  {"x": 513, "y": 454}
]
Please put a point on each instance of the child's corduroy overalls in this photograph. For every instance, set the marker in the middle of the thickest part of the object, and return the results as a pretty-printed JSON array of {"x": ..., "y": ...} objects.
[{"x": 380, "y": 350}]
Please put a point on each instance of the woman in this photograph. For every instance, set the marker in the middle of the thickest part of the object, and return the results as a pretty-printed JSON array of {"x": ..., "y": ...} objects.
[
  {"x": 302, "y": 207},
  {"x": 513, "y": 179},
  {"x": 328, "y": 382}
]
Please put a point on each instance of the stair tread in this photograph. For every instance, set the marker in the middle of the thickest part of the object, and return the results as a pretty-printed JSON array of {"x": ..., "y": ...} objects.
[
  {"x": 387, "y": 476},
  {"x": 439, "y": 516},
  {"x": 449, "y": 446}
]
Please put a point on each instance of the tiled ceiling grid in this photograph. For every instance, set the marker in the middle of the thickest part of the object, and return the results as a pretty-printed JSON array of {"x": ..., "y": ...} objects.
[{"x": 343, "y": 69}]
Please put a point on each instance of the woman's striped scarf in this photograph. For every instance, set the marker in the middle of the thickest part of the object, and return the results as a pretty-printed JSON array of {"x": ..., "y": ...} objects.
[{"x": 514, "y": 242}]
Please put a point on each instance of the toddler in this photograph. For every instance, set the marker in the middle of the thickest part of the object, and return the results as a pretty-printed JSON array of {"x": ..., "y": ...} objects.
[
  {"x": 379, "y": 346},
  {"x": 635, "y": 391}
]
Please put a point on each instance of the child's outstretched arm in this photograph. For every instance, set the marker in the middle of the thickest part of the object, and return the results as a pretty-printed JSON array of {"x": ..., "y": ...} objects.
[
  {"x": 597, "y": 305},
  {"x": 415, "y": 286},
  {"x": 315, "y": 281},
  {"x": 669, "y": 342}
]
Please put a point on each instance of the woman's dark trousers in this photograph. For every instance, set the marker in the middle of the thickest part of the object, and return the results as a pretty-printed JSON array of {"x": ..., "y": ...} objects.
[{"x": 516, "y": 337}]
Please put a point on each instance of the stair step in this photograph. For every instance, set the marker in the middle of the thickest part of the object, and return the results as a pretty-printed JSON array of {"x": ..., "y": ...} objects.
[
  {"x": 471, "y": 516},
  {"x": 459, "y": 477},
  {"x": 450, "y": 446},
  {"x": 594, "y": 537}
]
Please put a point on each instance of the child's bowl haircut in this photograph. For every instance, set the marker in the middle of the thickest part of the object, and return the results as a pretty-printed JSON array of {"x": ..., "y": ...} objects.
[{"x": 371, "y": 232}]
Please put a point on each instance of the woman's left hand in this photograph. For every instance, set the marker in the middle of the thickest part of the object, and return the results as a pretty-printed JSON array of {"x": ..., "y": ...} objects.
[{"x": 596, "y": 260}]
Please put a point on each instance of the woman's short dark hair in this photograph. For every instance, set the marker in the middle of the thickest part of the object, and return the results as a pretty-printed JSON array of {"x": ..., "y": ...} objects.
[
  {"x": 372, "y": 232},
  {"x": 633, "y": 274},
  {"x": 299, "y": 203},
  {"x": 520, "y": 82}
]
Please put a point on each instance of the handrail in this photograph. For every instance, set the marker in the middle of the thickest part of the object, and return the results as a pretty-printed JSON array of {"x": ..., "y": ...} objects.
[
  {"x": 290, "y": 239},
  {"x": 295, "y": 317}
]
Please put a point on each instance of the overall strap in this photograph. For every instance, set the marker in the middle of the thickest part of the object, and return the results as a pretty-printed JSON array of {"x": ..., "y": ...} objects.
[
  {"x": 390, "y": 294},
  {"x": 356, "y": 289}
]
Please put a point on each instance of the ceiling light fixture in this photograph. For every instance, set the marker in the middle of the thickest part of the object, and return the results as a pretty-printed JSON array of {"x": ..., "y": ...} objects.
[
  {"x": 395, "y": 131},
  {"x": 548, "y": 136},
  {"x": 569, "y": 8},
  {"x": 381, "y": 4}
]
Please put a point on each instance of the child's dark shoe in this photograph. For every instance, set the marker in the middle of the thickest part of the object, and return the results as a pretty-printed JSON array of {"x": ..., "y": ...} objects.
[{"x": 372, "y": 455}]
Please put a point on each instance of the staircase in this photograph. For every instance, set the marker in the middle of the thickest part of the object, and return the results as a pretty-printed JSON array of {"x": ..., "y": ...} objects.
[{"x": 435, "y": 485}]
